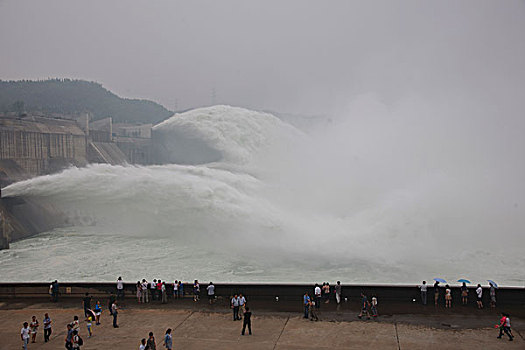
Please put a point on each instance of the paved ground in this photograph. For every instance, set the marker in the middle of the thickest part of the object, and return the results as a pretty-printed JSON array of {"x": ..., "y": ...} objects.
[{"x": 200, "y": 329}]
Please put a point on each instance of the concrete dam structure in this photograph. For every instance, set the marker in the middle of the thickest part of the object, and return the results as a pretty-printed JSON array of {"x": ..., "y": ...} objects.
[{"x": 32, "y": 145}]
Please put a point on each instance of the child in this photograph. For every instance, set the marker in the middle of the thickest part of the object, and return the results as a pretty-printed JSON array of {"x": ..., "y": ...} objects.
[
  {"x": 89, "y": 323},
  {"x": 34, "y": 329},
  {"x": 374, "y": 306},
  {"x": 313, "y": 312},
  {"x": 98, "y": 311},
  {"x": 76, "y": 324}
]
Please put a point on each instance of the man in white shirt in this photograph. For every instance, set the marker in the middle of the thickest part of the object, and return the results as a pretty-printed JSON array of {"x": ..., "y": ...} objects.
[
  {"x": 145, "y": 291},
  {"x": 142, "y": 344},
  {"x": 423, "y": 289},
  {"x": 211, "y": 292},
  {"x": 242, "y": 305},
  {"x": 24, "y": 335},
  {"x": 317, "y": 295},
  {"x": 479, "y": 294},
  {"x": 153, "y": 289},
  {"x": 235, "y": 307},
  {"x": 120, "y": 288}
]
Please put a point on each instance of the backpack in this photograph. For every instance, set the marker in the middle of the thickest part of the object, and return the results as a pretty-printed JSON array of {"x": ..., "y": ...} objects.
[{"x": 80, "y": 341}]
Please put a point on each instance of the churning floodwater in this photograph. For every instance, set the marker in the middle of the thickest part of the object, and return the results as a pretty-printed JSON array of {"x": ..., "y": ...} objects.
[{"x": 375, "y": 196}]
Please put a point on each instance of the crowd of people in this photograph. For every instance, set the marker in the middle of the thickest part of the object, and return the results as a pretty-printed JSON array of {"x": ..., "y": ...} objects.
[
  {"x": 463, "y": 292},
  {"x": 157, "y": 290}
]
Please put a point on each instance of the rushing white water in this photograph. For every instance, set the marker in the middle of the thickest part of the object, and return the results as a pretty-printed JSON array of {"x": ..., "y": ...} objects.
[{"x": 370, "y": 199}]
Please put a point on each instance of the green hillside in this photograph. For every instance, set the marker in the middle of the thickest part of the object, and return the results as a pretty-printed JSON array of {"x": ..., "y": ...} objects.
[{"x": 76, "y": 96}]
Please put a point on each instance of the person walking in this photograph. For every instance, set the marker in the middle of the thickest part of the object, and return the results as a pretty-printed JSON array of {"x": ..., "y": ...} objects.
[
  {"x": 69, "y": 337},
  {"x": 47, "y": 327},
  {"x": 464, "y": 294},
  {"x": 164, "y": 293},
  {"x": 247, "y": 321},
  {"x": 235, "y": 307},
  {"x": 479, "y": 296},
  {"x": 34, "y": 328},
  {"x": 338, "y": 291},
  {"x": 492, "y": 293},
  {"x": 168, "y": 340},
  {"x": 211, "y": 292},
  {"x": 145, "y": 291},
  {"x": 76, "y": 341},
  {"x": 151, "y": 345},
  {"x": 76, "y": 324},
  {"x": 25, "y": 334},
  {"x": 364, "y": 306},
  {"x": 142, "y": 345},
  {"x": 120, "y": 289},
  {"x": 306, "y": 304},
  {"x": 374, "y": 306},
  {"x": 98, "y": 312},
  {"x": 114, "y": 312},
  {"x": 436, "y": 293},
  {"x": 317, "y": 294},
  {"x": 448, "y": 297},
  {"x": 423, "y": 289},
  {"x": 504, "y": 326},
  {"x": 89, "y": 325},
  {"x": 86, "y": 303}
]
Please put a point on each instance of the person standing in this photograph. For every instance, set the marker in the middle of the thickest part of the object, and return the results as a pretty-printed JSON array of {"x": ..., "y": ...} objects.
[
  {"x": 364, "y": 306},
  {"x": 164, "y": 293},
  {"x": 139, "y": 291},
  {"x": 479, "y": 295},
  {"x": 247, "y": 322},
  {"x": 24, "y": 335},
  {"x": 196, "y": 290},
  {"x": 34, "y": 328},
  {"x": 86, "y": 303},
  {"x": 151, "y": 345},
  {"x": 98, "y": 312},
  {"x": 235, "y": 307},
  {"x": 181, "y": 289},
  {"x": 423, "y": 289},
  {"x": 111, "y": 300},
  {"x": 114, "y": 312},
  {"x": 145, "y": 291},
  {"x": 306, "y": 304},
  {"x": 159, "y": 290},
  {"x": 211, "y": 292},
  {"x": 47, "y": 327},
  {"x": 175, "y": 289},
  {"x": 153, "y": 289},
  {"x": 76, "y": 340},
  {"x": 492, "y": 292},
  {"x": 242, "y": 305},
  {"x": 338, "y": 290},
  {"x": 168, "y": 340},
  {"x": 464, "y": 294},
  {"x": 448, "y": 296},
  {"x": 54, "y": 291},
  {"x": 317, "y": 294},
  {"x": 312, "y": 310},
  {"x": 120, "y": 288},
  {"x": 142, "y": 345},
  {"x": 436, "y": 293}
]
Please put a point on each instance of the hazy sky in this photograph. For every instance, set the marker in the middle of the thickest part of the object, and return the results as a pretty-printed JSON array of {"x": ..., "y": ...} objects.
[{"x": 290, "y": 56}]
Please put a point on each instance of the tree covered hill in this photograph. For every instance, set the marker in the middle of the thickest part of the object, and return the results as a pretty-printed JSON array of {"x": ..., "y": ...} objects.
[{"x": 67, "y": 96}]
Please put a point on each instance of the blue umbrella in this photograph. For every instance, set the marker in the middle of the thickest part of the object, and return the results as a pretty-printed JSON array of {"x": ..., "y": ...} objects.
[
  {"x": 493, "y": 283},
  {"x": 463, "y": 280},
  {"x": 440, "y": 280}
]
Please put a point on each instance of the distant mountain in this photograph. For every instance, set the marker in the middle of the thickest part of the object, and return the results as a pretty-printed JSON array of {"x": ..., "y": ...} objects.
[{"x": 67, "y": 96}]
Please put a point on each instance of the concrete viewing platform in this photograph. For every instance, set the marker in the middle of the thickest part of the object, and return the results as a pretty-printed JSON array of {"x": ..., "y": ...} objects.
[{"x": 202, "y": 326}]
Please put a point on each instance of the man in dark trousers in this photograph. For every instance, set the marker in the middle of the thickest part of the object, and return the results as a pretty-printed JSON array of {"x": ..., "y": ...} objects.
[
  {"x": 114, "y": 312},
  {"x": 247, "y": 321},
  {"x": 110, "y": 303},
  {"x": 86, "y": 302}
]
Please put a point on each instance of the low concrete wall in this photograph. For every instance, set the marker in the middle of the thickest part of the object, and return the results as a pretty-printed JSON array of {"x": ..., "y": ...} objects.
[{"x": 285, "y": 292}]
